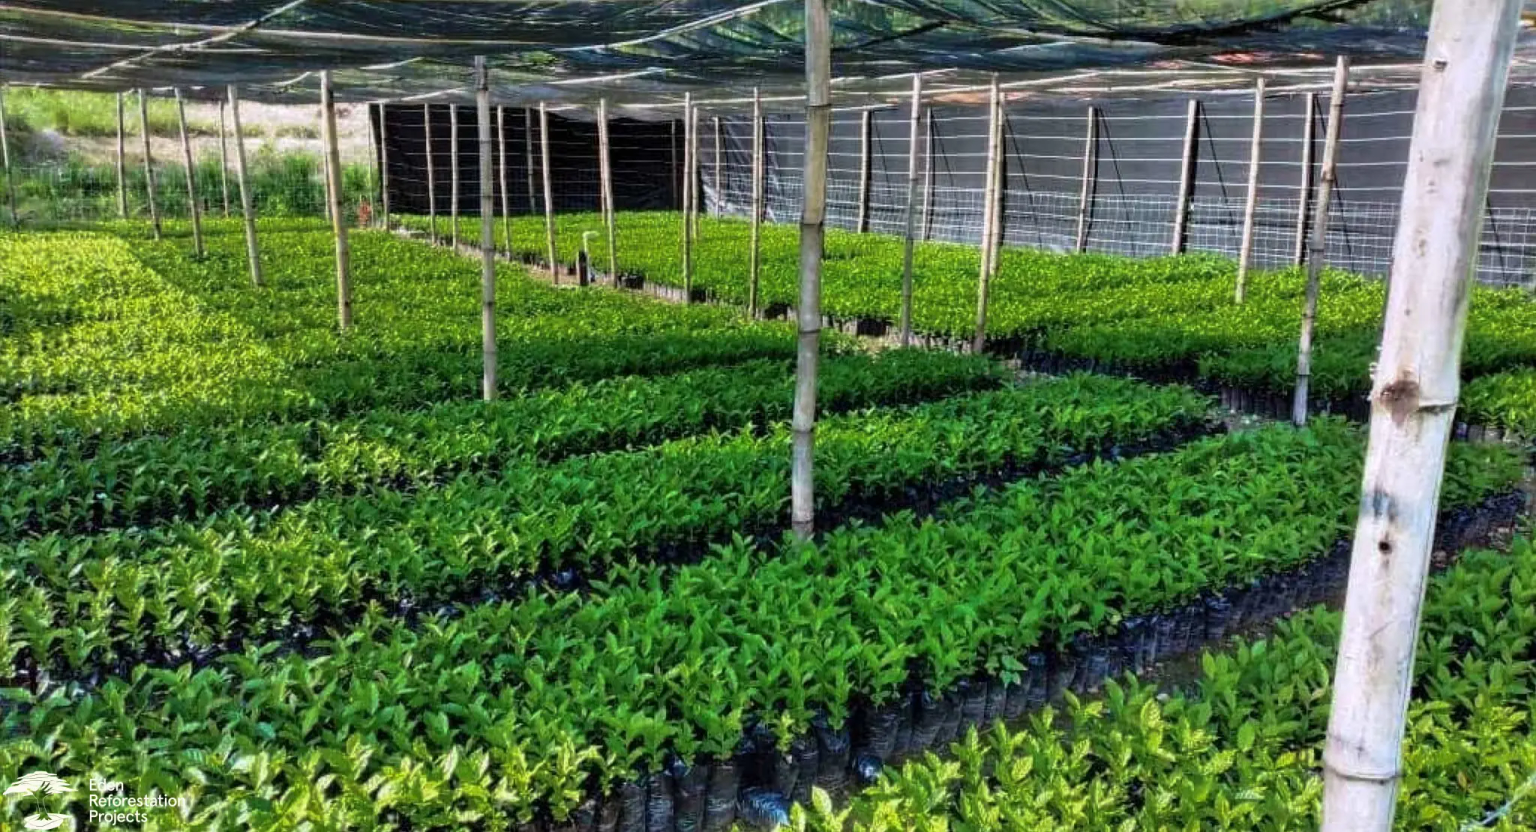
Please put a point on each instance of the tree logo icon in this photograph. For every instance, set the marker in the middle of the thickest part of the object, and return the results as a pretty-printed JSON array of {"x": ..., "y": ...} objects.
[{"x": 40, "y": 784}]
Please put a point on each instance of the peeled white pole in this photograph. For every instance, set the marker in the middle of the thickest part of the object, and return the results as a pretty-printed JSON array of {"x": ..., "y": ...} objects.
[
  {"x": 122, "y": 165},
  {"x": 1413, "y": 404},
  {"x": 338, "y": 220},
  {"x": 487, "y": 232},
  {"x": 1186, "y": 176},
  {"x": 687, "y": 197},
  {"x": 989, "y": 216},
  {"x": 426, "y": 121},
  {"x": 223, "y": 160},
  {"x": 605, "y": 171},
  {"x": 1308, "y": 130},
  {"x": 866, "y": 120},
  {"x": 549, "y": 193},
  {"x": 1251, "y": 201},
  {"x": 914, "y": 124},
  {"x": 506, "y": 196},
  {"x": 186, "y": 158},
  {"x": 247, "y": 212},
  {"x": 719, "y": 169},
  {"x": 453, "y": 164},
  {"x": 1090, "y": 177},
  {"x": 1318, "y": 246},
  {"x": 754, "y": 265},
  {"x": 813, "y": 215},
  {"x": 5, "y": 158}
]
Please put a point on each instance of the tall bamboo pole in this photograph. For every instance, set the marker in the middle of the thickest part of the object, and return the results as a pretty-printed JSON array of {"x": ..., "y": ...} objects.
[
  {"x": 988, "y": 215},
  {"x": 247, "y": 212},
  {"x": 533, "y": 199},
  {"x": 865, "y": 122},
  {"x": 487, "y": 232},
  {"x": 223, "y": 159},
  {"x": 1251, "y": 201},
  {"x": 1186, "y": 176},
  {"x": 426, "y": 115},
  {"x": 5, "y": 158},
  {"x": 754, "y": 264},
  {"x": 149, "y": 164},
  {"x": 1413, "y": 404},
  {"x": 373, "y": 159},
  {"x": 122, "y": 172},
  {"x": 186, "y": 159},
  {"x": 1090, "y": 178},
  {"x": 506, "y": 196},
  {"x": 384, "y": 163},
  {"x": 1308, "y": 131},
  {"x": 687, "y": 197},
  {"x": 453, "y": 164},
  {"x": 928, "y": 175},
  {"x": 338, "y": 220},
  {"x": 719, "y": 167},
  {"x": 914, "y": 123},
  {"x": 695, "y": 178},
  {"x": 818, "y": 127},
  {"x": 549, "y": 193},
  {"x": 1319, "y": 243},
  {"x": 605, "y": 172}
]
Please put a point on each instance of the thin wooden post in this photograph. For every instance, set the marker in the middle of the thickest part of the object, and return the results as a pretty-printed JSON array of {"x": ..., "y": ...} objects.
[
  {"x": 1413, "y": 405},
  {"x": 426, "y": 114},
  {"x": 247, "y": 212},
  {"x": 533, "y": 199},
  {"x": 506, "y": 196},
  {"x": 687, "y": 197},
  {"x": 928, "y": 175},
  {"x": 5, "y": 158},
  {"x": 549, "y": 193},
  {"x": 1319, "y": 244},
  {"x": 758, "y": 138},
  {"x": 325, "y": 171},
  {"x": 384, "y": 163},
  {"x": 719, "y": 166},
  {"x": 223, "y": 160},
  {"x": 338, "y": 220},
  {"x": 1251, "y": 202},
  {"x": 988, "y": 216},
  {"x": 695, "y": 179},
  {"x": 453, "y": 164},
  {"x": 813, "y": 215},
  {"x": 373, "y": 159},
  {"x": 186, "y": 158},
  {"x": 674, "y": 177},
  {"x": 1308, "y": 131},
  {"x": 1186, "y": 176},
  {"x": 487, "y": 232},
  {"x": 865, "y": 121},
  {"x": 122, "y": 172},
  {"x": 1090, "y": 179},
  {"x": 914, "y": 123},
  {"x": 605, "y": 172},
  {"x": 149, "y": 164}
]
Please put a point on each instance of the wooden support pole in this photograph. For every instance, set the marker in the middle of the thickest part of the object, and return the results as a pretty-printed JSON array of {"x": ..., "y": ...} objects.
[
  {"x": 1413, "y": 405},
  {"x": 533, "y": 199},
  {"x": 325, "y": 172},
  {"x": 865, "y": 122},
  {"x": 1186, "y": 177},
  {"x": 186, "y": 158},
  {"x": 687, "y": 197},
  {"x": 122, "y": 163},
  {"x": 506, "y": 196},
  {"x": 813, "y": 215},
  {"x": 487, "y": 232},
  {"x": 755, "y": 265},
  {"x": 914, "y": 124},
  {"x": 1251, "y": 200},
  {"x": 453, "y": 165},
  {"x": 1319, "y": 244},
  {"x": 373, "y": 161},
  {"x": 1308, "y": 131},
  {"x": 384, "y": 164},
  {"x": 1090, "y": 179},
  {"x": 223, "y": 160},
  {"x": 695, "y": 178},
  {"x": 605, "y": 172},
  {"x": 247, "y": 211},
  {"x": 674, "y": 178},
  {"x": 719, "y": 167},
  {"x": 149, "y": 164},
  {"x": 426, "y": 115},
  {"x": 5, "y": 158},
  {"x": 988, "y": 215},
  {"x": 928, "y": 175},
  {"x": 549, "y": 193},
  {"x": 338, "y": 220}
]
